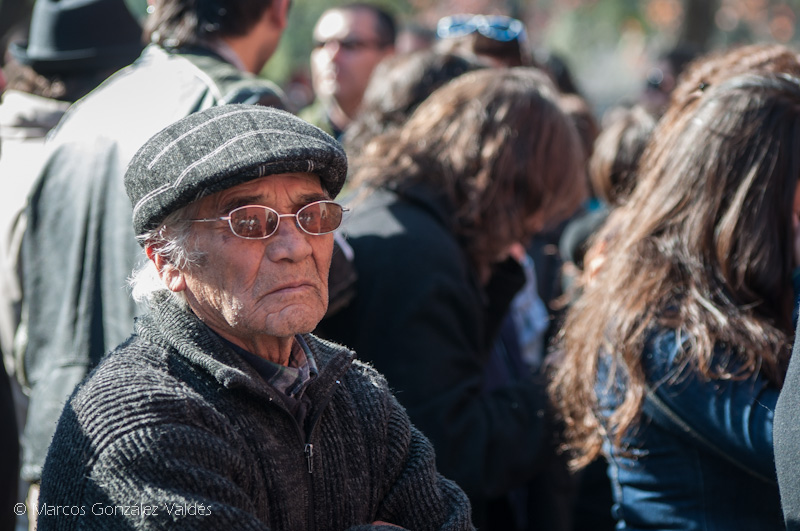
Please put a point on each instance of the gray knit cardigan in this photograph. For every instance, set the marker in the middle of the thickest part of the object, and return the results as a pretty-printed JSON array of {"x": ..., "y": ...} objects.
[{"x": 173, "y": 430}]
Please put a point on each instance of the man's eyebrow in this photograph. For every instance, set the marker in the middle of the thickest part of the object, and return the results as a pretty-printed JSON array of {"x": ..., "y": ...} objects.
[
  {"x": 311, "y": 198},
  {"x": 301, "y": 201},
  {"x": 236, "y": 202}
]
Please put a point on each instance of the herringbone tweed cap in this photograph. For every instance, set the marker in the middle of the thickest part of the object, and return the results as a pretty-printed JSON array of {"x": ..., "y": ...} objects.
[{"x": 221, "y": 147}]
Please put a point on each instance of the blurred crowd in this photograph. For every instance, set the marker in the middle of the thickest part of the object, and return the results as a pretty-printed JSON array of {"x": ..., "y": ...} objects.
[{"x": 589, "y": 317}]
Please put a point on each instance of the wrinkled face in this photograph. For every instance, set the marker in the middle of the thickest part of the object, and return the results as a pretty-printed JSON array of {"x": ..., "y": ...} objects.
[
  {"x": 278, "y": 286},
  {"x": 346, "y": 50}
]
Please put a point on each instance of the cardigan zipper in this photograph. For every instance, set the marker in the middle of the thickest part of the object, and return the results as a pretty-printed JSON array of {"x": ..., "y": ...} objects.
[{"x": 309, "y": 451}]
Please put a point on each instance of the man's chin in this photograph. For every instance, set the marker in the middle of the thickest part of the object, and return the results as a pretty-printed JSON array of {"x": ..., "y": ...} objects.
[{"x": 295, "y": 319}]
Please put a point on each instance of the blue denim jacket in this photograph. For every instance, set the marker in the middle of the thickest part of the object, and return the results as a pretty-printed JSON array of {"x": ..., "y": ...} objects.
[{"x": 701, "y": 457}]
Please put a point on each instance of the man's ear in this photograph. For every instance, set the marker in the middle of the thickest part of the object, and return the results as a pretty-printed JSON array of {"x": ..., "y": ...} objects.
[
  {"x": 170, "y": 275},
  {"x": 279, "y": 13}
]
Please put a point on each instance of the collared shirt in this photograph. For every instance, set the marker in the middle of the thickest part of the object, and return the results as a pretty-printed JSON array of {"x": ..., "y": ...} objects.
[{"x": 291, "y": 379}]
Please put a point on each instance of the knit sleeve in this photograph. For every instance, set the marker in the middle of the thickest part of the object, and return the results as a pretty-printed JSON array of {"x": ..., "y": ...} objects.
[
  {"x": 135, "y": 448},
  {"x": 179, "y": 467},
  {"x": 417, "y": 496},
  {"x": 164, "y": 477}
]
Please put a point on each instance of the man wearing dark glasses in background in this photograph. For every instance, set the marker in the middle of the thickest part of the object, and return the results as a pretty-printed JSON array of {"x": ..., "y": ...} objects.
[
  {"x": 222, "y": 411},
  {"x": 349, "y": 41}
]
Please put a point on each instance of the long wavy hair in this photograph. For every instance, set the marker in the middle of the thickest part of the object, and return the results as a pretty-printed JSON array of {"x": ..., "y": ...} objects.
[
  {"x": 399, "y": 83},
  {"x": 704, "y": 246},
  {"x": 495, "y": 144},
  {"x": 710, "y": 69},
  {"x": 613, "y": 166}
]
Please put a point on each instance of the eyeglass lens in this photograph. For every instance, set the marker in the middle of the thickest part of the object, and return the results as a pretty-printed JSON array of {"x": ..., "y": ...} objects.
[{"x": 256, "y": 222}]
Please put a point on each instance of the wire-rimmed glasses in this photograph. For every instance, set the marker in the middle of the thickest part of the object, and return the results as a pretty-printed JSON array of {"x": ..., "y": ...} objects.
[{"x": 256, "y": 222}]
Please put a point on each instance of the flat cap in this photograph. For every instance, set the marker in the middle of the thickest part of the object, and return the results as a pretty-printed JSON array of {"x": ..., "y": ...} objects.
[{"x": 216, "y": 149}]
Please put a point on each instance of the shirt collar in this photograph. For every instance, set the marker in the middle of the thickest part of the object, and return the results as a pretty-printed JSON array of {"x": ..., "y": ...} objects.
[{"x": 292, "y": 379}]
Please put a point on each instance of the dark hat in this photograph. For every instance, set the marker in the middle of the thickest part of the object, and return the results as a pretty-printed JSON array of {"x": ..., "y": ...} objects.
[
  {"x": 221, "y": 147},
  {"x": 79, "y": 35}
]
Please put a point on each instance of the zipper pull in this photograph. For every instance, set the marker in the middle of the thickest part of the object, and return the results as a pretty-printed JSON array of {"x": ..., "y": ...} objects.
[{"x": 309, "y": 451}]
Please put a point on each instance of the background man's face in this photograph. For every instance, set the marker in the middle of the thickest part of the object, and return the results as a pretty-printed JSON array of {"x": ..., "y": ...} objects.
[
  {"x": 347, "y": 48},
  {"x": 278, "y": 286}
]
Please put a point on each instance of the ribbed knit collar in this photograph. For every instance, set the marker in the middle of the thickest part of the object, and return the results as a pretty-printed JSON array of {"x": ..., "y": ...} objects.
[{"x": 170, "y": 326}]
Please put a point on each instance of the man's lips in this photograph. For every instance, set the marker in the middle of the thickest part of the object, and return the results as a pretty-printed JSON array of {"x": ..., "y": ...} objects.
[{"x": 290, "y": 287}]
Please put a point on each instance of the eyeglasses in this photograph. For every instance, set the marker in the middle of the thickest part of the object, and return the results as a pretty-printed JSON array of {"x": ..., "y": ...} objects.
[
  {"x": 495, "y": 27},
  {"x": 256, "y": 222},
  {"x": 350, "y": 45}
]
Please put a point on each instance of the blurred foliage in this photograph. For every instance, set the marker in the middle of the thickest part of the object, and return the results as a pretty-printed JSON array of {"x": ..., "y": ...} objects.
[
  {"x": 613, "y": 44},
  {"x": 138, "y": 8}
]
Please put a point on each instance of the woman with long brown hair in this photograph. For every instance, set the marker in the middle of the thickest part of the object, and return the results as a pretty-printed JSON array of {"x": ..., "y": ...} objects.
[
  {"x": 482, "y": 163},
  {"x": 672, "y": 358}
]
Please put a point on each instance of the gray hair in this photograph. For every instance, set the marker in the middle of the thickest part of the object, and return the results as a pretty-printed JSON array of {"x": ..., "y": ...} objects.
[{"x": 173, "y": 241}]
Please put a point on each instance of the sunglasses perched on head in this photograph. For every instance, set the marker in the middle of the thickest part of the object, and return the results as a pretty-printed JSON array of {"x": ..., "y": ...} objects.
[
  {"x": 256, "y": 222},
  {"x": 495, "y": 27}
]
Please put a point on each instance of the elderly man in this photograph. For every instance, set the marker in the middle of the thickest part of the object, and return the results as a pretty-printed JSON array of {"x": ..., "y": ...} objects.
[{"x": 222, "y": 411}]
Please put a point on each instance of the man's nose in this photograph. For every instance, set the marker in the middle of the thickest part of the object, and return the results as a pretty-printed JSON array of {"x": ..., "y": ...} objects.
[
  {"x": 289, "y": 241},
  {"x": 332, "y": 48}
]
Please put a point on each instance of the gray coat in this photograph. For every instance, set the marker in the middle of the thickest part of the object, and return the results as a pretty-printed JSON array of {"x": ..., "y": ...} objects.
[
  {"x": 79, "y": 247},
  {"x": 173, "y": 429}
]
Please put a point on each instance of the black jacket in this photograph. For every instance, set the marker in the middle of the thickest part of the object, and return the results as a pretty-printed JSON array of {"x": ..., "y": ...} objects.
[
  {"x": 421, "y": 317},
  {"x": 79, "y": 248}
]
